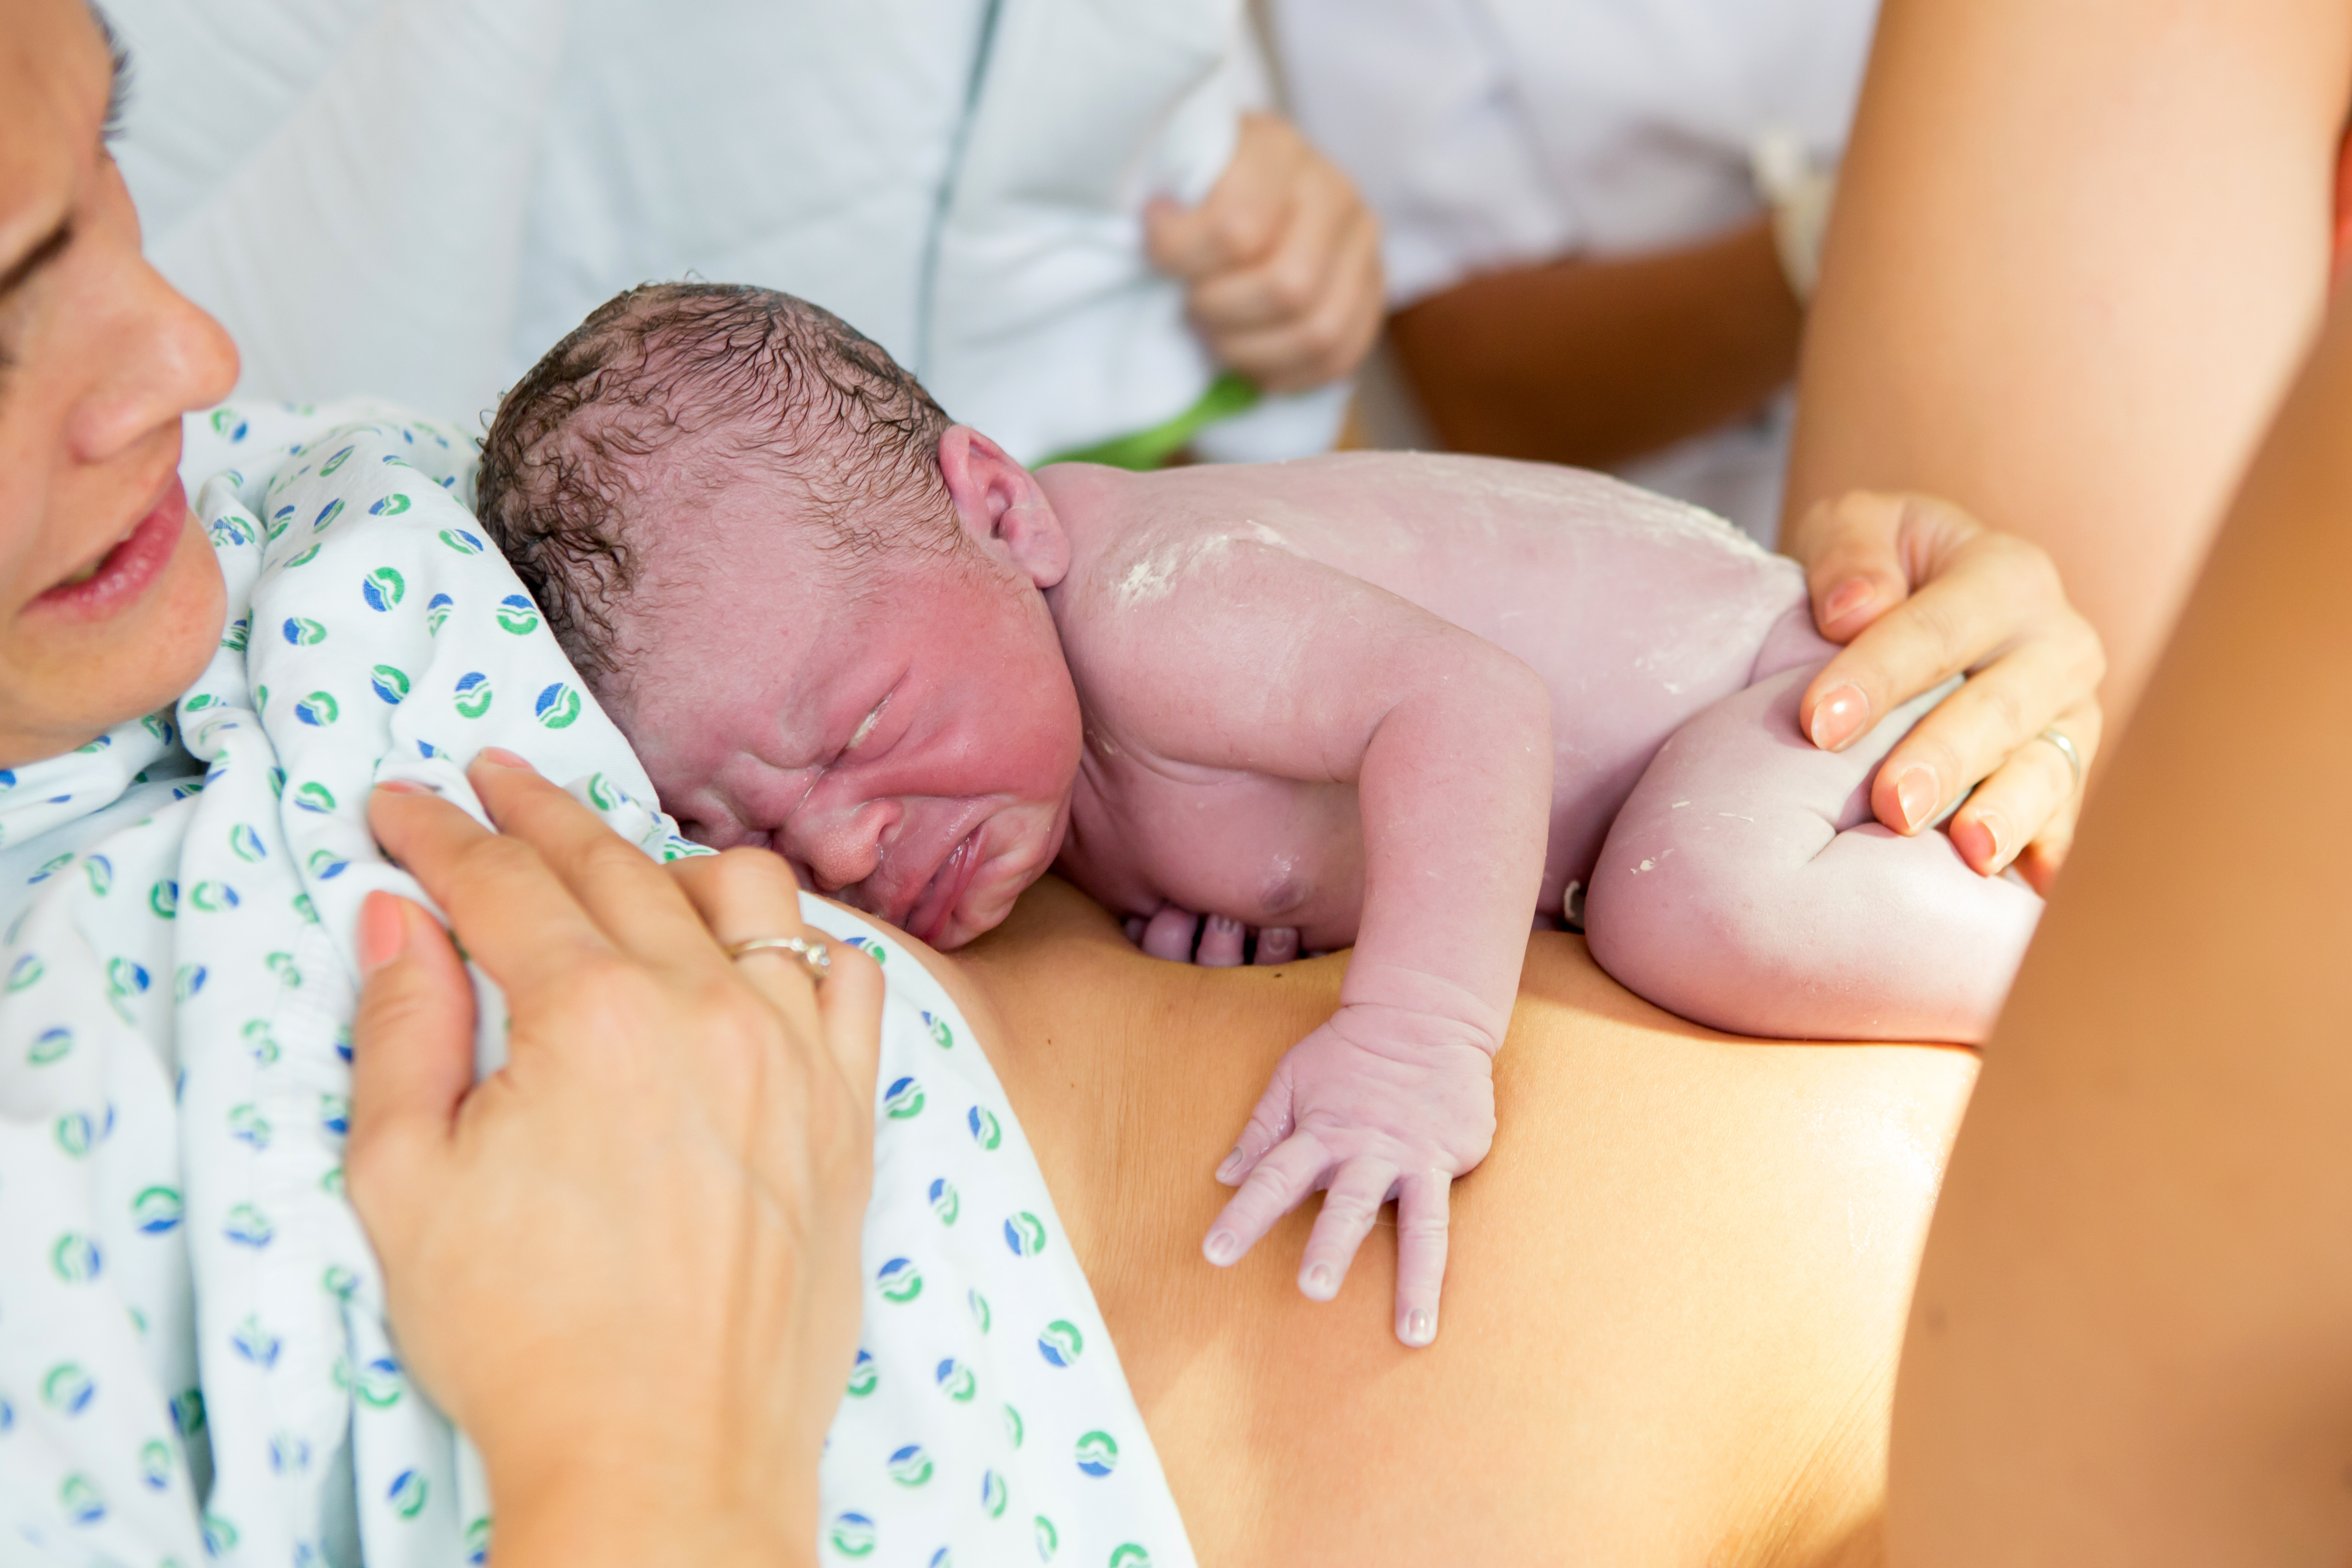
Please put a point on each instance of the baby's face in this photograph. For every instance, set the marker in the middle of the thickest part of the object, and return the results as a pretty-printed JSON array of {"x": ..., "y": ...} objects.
[{"x": 910, "y": 749}]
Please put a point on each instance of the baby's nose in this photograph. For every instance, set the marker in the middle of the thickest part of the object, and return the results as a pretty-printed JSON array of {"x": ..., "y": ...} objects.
[{"x": 840, "y": 847}]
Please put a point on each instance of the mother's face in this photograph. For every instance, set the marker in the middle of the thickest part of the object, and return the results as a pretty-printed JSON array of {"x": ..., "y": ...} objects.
[{"x": 110, "y": 598}]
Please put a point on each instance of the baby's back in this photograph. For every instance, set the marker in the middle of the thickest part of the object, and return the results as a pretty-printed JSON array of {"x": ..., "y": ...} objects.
[{"x": 1636, "y": 610}]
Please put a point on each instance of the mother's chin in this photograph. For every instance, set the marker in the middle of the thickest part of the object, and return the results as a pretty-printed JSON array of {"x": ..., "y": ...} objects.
[{"x": 127, "y": 638}]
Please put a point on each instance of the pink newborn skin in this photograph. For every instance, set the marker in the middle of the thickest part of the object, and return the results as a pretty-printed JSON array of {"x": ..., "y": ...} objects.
[{"x": 1394, "y": 701}]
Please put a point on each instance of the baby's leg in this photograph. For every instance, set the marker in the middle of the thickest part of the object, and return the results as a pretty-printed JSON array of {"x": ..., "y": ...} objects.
[{"x": 1745, "y": 885}]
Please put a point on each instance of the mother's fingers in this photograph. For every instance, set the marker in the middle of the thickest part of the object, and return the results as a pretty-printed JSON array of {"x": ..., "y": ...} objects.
[
  {"x": 514, "y": 915},
  {"x": 412, "y": 1053},
  {"x": 639, "y": 909},
  {"x": 742, "y": 895}
]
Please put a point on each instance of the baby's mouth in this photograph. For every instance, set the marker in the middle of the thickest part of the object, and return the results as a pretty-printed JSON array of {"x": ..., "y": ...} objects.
[{"x": 928, "y": 917}]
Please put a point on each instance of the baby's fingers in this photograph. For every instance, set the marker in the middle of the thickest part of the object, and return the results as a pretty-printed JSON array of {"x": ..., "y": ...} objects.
[
  {"x": 1349, "y": 1207},
  {"x": 1280, "y": 1183},
  {"x": 1270, "y": 1122},
  {"x": 1424, "y": 1200}
]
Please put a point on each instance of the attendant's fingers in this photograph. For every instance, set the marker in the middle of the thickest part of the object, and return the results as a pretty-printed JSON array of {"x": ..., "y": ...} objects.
[
  {"x": 514, "y": 915},
  {"x": 1277, "y": 945},
  {"x": 1171, "y": 932},
  {"x": 1853, "y": 569},
  {"x": 2032, "y": 798},
  {"x": 1238, "y": 220},
  {"x": 1271, "y": 1120},
  {"x": 1325, "y": 343},
  {"x": 746, "y": 894},
  {"x": 1996, "y": 713},
  {"x": 1279, "y": 1183},
  {"x": 412, "y": 1055},
  {"x": 1424, "y": 1202},
  {"x": 1350, "y": 1206},
  {"x": 641, "y": 910},
  {"x": 1220, "y": 943},
  {"x": 1295, "y": 273},
  {"x": 1986, "y": 597}
]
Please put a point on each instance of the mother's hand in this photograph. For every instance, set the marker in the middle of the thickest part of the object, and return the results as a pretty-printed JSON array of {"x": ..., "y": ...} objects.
[
  {"x": 1921, "y": 592},
  {"x": 625, "y": 1264}
]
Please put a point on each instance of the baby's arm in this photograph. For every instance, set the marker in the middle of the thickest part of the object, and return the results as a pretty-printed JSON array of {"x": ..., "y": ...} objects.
[
  {"x": 1295, "y": 670},
  {"x": 1745, "y": 886}
]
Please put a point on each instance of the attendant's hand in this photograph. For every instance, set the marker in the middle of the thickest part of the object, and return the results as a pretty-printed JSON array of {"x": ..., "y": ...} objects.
[
  {"x": 1376, "y": 1104},
  {"x": 1283, "y": 258},
  {"x": 1921, "y": 592},
  {"x": 626, "y": 1263}
]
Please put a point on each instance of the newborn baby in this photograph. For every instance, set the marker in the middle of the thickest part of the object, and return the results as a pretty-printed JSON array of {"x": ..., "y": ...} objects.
[{"x": 1408, "y": 702}]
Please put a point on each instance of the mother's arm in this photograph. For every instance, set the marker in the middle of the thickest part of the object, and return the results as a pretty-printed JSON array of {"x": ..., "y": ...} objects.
[{"x": 2133, "y": 1335}]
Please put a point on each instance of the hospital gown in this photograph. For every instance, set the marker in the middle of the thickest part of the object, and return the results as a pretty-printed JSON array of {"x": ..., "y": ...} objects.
[{"x": 194, "y": 1358}]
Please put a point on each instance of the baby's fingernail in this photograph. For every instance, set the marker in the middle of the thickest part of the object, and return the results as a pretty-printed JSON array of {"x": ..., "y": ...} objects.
[
  {"x": 1919, "y": 794},
  {"x": 384, "y": 932},
  {"x": 499, "y": 757},
  {"x": 402, "y": 786},
  {"x": 1840, "y": 717},
  {"x": 1847, "y": 598},
  {"x": 1318, "y": 1283},
  {"x": 1222, "y": 1248},
  {"x": 1230, "y": 1170},
  {"x": 1419, "y": 1327}
]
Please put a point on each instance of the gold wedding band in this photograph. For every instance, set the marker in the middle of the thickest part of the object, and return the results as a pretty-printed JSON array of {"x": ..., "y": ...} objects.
[
  {"x": 812, "y": 954},
  {"x": 2066, "y": 749}
]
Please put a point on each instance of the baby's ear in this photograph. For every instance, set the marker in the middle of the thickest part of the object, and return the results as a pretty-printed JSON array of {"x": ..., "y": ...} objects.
[{"x": 1002, "y": 506}]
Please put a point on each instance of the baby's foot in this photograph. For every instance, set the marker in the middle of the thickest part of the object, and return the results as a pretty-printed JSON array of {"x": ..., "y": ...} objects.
[
  {"x": 1277, "y": 944},
  {"x": 1170, "y": 934},
  {"x": 1220, "y": 943}
]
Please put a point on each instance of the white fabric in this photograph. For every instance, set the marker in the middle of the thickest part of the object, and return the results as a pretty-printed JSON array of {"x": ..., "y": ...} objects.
[
  {"x": 470, "y": 177},
  {"x": 1491, "y": 133},
  {"x": 193, "y": 1360}
]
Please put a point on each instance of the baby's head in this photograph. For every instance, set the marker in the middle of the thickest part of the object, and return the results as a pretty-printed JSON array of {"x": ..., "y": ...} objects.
[{"x": 813, "y": 604}]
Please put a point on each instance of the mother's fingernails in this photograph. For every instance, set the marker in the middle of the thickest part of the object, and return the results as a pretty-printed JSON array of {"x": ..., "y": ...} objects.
[
  {"x": 1419, "y": 1327},
  {"x": 1221, "y": 1247},
  {"x": 384, "y": 932},
  {"x": 499, "y": 757},
  {"x": 1840, "y": 717},
  {"x": 1230, "y": 1170},
  {"x": 1918, "y": 793},
  {"x": 402, "y": 786}
]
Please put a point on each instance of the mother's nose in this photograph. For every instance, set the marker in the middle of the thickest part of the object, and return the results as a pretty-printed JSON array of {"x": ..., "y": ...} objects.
[
  {"x": 153, "y": 355},
  {"x": 840, "y": 845}
]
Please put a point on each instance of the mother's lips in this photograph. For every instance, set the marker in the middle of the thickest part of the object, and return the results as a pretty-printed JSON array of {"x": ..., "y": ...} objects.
[{"x": 129, "y": 565}]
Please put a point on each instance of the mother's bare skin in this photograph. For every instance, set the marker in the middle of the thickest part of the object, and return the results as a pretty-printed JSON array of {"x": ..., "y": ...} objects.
[{"x": 1677, "y": 1289}]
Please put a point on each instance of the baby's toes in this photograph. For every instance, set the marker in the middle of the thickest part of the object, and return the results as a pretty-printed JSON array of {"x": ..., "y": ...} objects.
[
  {"x": 1170, "y": 934},
  {"x": 1277, "y": 945},
  {"x": 1220, "y": 943}
]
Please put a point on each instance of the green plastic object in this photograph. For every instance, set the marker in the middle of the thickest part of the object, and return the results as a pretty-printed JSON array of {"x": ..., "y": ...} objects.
[{"x": 1141, "y": 450}]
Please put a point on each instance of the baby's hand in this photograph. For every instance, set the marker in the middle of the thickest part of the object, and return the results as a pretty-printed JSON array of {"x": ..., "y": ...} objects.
[
  {"x": 1223, "y": 943},
  {"x": 1378, "y": 1103}
]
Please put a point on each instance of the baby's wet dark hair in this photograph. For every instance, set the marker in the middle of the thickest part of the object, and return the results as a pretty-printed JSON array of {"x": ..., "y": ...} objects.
[{"x": 685, "y": 385}]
